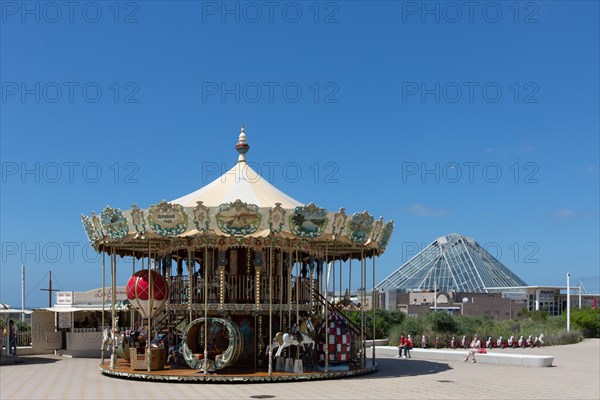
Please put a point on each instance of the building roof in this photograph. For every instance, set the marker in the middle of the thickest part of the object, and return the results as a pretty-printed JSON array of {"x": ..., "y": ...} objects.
[{"x": 453, "y": 262}]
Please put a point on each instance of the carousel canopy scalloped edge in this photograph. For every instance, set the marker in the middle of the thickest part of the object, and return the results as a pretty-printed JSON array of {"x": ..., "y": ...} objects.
[{"x": 236, "y": 222}]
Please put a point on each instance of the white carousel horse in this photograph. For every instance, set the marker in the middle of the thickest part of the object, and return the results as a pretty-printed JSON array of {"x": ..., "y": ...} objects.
[
  {"x": 521, "y": 342},
  {"x": 511, "y": 341},
  {"x": 283, "y": 340},
  {"x": 500, "y": 342},
  {"x": 109, "y": 336}
]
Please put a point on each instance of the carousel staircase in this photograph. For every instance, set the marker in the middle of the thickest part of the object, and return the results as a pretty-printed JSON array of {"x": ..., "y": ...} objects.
[
  {"x": 354, "y": 328},
  {"x": 164, "y": 322},
  {"x": 169, "y": 320},
  {"x": 357, "y": 346}
]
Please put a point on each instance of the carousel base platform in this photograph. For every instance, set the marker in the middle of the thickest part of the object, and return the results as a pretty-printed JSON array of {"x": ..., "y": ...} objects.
[{"x": 188, "y": 375}]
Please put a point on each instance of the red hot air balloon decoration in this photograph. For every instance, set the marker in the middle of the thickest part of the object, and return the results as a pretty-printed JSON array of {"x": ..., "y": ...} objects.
[{"x": 140, "y": 296}]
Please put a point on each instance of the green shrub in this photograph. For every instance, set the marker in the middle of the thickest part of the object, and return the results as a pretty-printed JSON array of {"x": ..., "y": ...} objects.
[
  {"x": 394, "y": 334},
  {"x": 445, "y": 326},
  {"x": 586, "y": 319},
  {"x": 563, "y": 337},
  {"x": 413, "y": 325},
  {"x": 22, "y": 325},
  {"x": 442, "y": 322},
  {"x": 384, "y": 320}
]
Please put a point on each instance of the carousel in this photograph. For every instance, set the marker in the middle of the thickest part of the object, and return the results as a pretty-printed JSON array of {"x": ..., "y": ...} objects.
[{"x": 234, "y": 282}]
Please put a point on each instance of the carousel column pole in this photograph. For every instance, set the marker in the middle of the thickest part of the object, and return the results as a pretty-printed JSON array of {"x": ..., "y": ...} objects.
[
  {"x": 333, "y": 281},
  {"x": 150, "y": 307},
  {"x": 191, "y": 281},
  {"x": 290, "y": 292},
  {"x": 320, "y": 263},
  {"x": 326, "y": 313},
  {"x": 103, "y": 306},
  {"x": 205, "y": 307},
  {"x": 113, "y": 357},
  {"x": 257, "y": 270},
  {"x": 280, "y": 290},
  {"x": 350, "y": 276},
  {"x": 258, "y": 263},
  {"x": 168, "y": 263},
  {"x": 297, "y": 284},
  {"x": 132, "y": 312},
  {"x": 312, "y": 285},
  {"x": 341, "y": 280},
  {"x": 271, "y": 264},
  {"x": 363, "y": 278},
  {"x": 221, "y": 271},
  {"x": 221, "y": 264},
  {"x": 373, "y": 307}
]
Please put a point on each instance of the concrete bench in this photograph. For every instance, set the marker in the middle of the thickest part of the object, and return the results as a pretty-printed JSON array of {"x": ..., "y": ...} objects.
[{"x": 524, "y": 360}]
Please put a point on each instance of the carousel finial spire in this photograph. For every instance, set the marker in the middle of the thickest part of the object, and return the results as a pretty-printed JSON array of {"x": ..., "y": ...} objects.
[{"x": 242, "y": 146}]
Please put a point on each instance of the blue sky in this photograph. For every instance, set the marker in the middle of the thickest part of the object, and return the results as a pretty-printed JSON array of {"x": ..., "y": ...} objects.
[{"x": 482, "y": 121}]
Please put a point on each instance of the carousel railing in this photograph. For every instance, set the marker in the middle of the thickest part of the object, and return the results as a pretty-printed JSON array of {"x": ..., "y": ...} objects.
[
  {"x": 179, "y": 287},
  {"x": 240, "y": 289}
]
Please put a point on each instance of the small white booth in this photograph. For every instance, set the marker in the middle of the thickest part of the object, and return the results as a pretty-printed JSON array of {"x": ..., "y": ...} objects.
[{"x": 78, "y": 319}]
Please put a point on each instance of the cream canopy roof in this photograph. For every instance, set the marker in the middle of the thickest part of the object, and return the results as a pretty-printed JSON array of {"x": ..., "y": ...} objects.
[
  {"x": 240, "y": 182},
  {"x": 240, "y": 208}
]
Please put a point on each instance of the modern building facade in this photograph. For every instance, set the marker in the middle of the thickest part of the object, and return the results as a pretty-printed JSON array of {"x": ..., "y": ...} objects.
[{"x": 455, "y": 274}]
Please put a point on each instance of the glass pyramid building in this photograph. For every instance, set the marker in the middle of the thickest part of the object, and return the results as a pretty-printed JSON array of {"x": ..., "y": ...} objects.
[{"x": 452, "y": 263}]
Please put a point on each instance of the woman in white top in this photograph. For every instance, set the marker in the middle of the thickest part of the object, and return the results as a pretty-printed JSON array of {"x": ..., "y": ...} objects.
[{"x": 473, "y": 348}]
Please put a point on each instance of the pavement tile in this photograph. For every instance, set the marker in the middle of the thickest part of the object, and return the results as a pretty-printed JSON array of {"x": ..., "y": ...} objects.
[{"x": 575, "y": 375}]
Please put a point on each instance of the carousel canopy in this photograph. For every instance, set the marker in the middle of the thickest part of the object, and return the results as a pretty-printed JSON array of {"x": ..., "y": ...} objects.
[
  {"x": 240, "y": 182},
  {"x": 240, "y": 208}
]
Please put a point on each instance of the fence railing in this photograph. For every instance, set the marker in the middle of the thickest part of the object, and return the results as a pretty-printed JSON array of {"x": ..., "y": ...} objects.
[{"x": 23, "y": 338}]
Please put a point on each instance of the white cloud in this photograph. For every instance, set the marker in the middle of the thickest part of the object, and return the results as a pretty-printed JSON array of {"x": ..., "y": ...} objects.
[
  {"x": 565, "y": 213},
  {"x": 592, "y": 169},
  {"x": 421, "y": 210},
  {"x": 526, "y": 148}
]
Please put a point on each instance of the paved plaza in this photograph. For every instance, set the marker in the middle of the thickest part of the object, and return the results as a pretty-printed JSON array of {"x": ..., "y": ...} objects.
[{"x": 575, "y": 375}]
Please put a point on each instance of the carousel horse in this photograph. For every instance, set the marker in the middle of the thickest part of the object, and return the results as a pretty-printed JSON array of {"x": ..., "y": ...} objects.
[
  {"x": 500, "y": 342},
  {"x": 109, "y": 336},
  {"x": 511, "y": 341},
  {"x": 540, "y": 340},
  {"x": 297, "y": 337}
]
